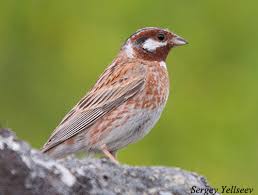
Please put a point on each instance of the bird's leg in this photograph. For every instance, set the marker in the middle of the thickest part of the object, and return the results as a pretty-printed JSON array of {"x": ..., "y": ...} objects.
[
  {"x": 110, "y": 155},
  {"x": 113, "y": 154}
]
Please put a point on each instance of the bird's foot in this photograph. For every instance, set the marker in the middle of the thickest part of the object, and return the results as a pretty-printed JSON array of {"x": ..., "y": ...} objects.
[{"x": 109, "y": 154}]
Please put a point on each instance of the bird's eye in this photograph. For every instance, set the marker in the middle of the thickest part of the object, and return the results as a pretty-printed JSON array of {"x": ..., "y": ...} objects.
[{"x": 161, "y": 37}]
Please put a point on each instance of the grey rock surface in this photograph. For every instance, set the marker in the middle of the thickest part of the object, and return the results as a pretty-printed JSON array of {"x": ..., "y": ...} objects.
[{"x": 24, "y": 170}]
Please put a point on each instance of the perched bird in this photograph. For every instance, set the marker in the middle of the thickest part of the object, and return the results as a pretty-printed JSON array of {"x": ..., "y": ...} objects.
[{"x": 126, "y": 101}]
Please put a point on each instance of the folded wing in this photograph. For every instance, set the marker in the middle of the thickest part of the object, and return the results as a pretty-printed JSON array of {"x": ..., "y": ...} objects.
[{"x": 94, "y": 106}]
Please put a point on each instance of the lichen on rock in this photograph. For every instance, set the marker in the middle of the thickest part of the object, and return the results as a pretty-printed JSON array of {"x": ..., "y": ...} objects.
[{"x": 27, "y": 171}]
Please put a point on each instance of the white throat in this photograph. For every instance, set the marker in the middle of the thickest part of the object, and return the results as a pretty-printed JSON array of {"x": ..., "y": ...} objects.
[{"x": 163, "y": 64}]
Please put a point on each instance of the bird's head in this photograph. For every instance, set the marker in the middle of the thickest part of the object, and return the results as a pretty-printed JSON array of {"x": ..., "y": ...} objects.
[{"x": 151, "y": 43}]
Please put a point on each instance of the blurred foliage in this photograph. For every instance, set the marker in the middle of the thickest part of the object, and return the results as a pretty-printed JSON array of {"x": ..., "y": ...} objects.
[{"x": 52, "y": 51}]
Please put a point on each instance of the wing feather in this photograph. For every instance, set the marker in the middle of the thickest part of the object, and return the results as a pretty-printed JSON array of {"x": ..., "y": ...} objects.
[{"x": 102, "y": 102}]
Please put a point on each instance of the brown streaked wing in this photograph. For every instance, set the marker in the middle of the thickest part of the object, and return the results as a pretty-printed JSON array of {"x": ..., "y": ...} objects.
[{"x": 85, "y": 117}]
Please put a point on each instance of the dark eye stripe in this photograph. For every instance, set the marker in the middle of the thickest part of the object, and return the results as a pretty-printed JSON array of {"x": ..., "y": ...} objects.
[{"x": 141, "y": 40}]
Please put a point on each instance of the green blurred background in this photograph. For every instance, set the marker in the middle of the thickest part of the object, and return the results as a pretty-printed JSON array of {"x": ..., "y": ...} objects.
[{"x": 51, "y": 53}]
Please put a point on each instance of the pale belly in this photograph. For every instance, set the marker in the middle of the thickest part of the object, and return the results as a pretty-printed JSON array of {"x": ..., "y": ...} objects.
[{"x": 133, "y": 129}]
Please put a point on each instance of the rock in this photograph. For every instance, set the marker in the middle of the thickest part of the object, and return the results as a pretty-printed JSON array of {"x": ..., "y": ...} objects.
[{"x": 27, "y": 171}]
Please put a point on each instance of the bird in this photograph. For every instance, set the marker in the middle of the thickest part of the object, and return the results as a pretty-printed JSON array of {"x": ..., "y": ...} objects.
[{"x": 125, "y": 102}]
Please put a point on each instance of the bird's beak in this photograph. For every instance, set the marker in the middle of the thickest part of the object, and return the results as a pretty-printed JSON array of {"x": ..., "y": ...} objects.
[{"x": 178, "y": 41}]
